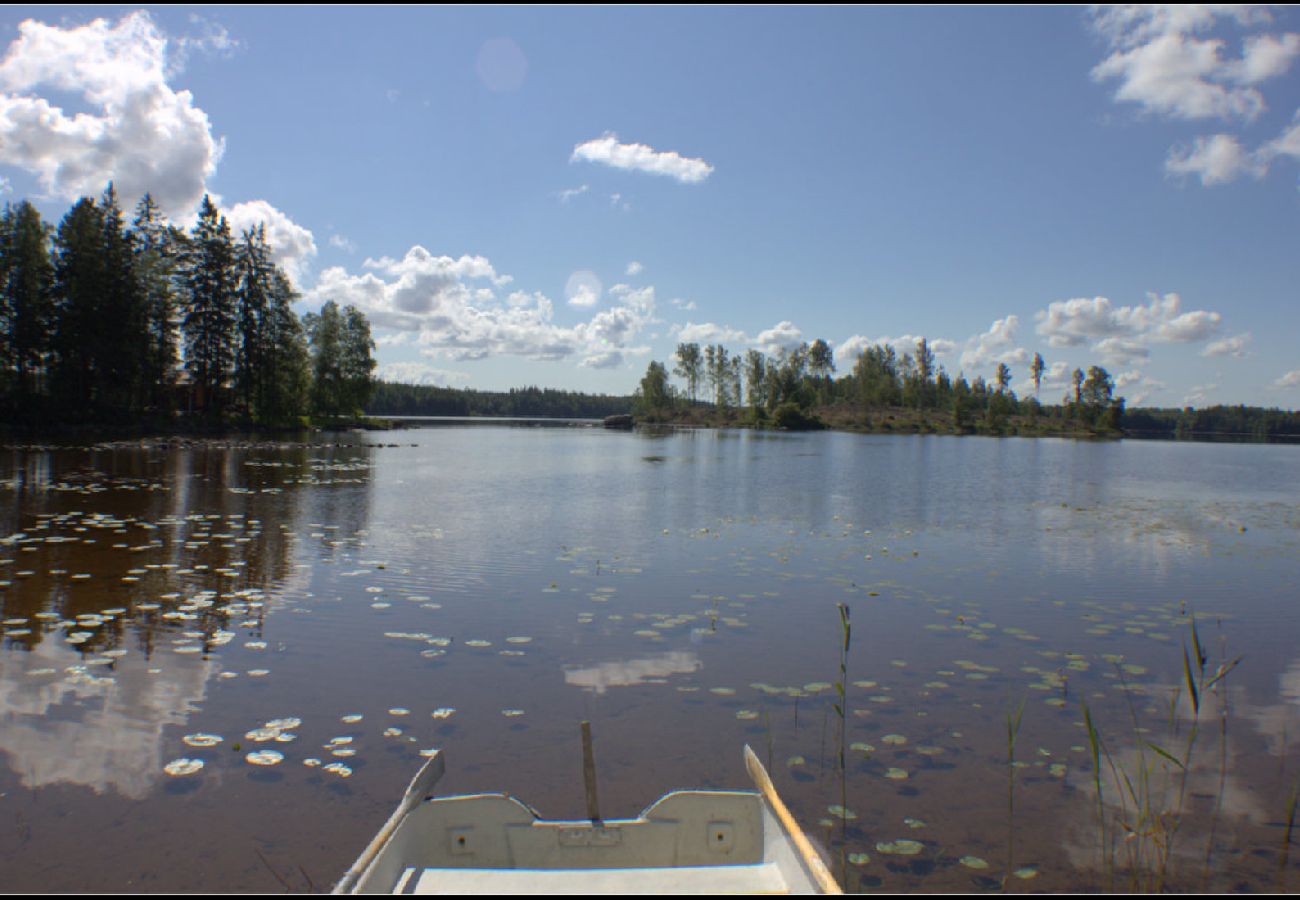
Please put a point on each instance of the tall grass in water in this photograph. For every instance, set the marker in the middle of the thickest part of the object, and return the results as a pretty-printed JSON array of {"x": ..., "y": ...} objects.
[
  {"x": 1137, "y": 841},
  {"x": 1013, "y": 733},
  {"x": 846, "y": 631}
]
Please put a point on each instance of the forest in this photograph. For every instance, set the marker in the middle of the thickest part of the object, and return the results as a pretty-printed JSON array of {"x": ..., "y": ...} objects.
[{"x": 103, "y": 322}]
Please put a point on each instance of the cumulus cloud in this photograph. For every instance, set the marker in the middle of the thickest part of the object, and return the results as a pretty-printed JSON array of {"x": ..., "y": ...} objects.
[
  {"x": 997, "y": 345},
  {"x": 634, "y": 268},
  {"x": 1122, "y": 333},
  {"x": 1120, "y": 351},
  {"x": 138, "y": 133},
  {"x": 1230, "y": 346},
  {"x": 606, "y": 150},
  {"x": 853, "y": 347},
  {"x": 607, "y": 359},
  {"x": 709, "y": 333},
  {"x": 1165, "y": 60},
  {"x": 292, "y": 246},
  {"x": 453, "y": 307},
  {"x": 1216, "y": 159},
  {"x": 1137, "y": 387},
  {"x": 783, "y": 336},
  {"x": 583, "y": 289},
  {"x": 1164, "y": 64},
  {"x": 419, "y": 373},
  {"x": 1289, "y": 380}
]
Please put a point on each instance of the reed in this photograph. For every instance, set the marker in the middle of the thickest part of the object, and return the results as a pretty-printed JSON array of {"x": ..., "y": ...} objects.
[
  {"x": 1013, "y": 733},
  {"x": 840, "y": 707},
  {"x": 1140, "y": 837}
]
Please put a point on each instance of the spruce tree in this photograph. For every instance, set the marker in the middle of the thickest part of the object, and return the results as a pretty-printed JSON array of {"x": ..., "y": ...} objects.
[
  {"x": 122, "y": 331},
  {"x": 26, "y": 299},
  {"x": 78, "y": 282},
  {"x": 210, "y": 307},
  {"x": 159, "y": 254},
  {"x": 254, "y": 267}
]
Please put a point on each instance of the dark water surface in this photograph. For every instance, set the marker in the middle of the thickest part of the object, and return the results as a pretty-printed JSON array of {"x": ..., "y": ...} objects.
[{"x": 482, "y": 590}]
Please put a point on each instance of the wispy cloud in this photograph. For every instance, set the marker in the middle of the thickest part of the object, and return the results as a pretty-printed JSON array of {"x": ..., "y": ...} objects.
[
  {"x": 569, "y": 193},
  {"x": 606, "y": 150}
]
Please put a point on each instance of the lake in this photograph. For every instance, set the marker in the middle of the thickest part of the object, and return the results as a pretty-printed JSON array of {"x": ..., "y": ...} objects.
[{"x": 306, "y": 617}]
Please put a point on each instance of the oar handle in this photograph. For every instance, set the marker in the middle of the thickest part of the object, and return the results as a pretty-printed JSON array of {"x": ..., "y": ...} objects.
[
  {"x": 811, "y": 858},
  {"x": 419, "y": 788}
]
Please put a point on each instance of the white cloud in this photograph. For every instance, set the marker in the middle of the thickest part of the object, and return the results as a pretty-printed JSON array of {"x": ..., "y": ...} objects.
[
  {"x": 1166, "y": 63},
  {"x": 583, "y": 289},
  {"x": 1216, "y": 159},
  {"x": 641, "y": 158},
  {"x": 1198, "y": 395},
  {"x": 214, "y": 40},
  {"x": 781, "y": 336},
  {"x": 342, "y": 243},
  {"x": 853, "y": 347},
  {"x": 419, "y": 373},
  {"x": 634, "y": 268},
  {"x": 709, "y": 333},
  {"x": 139, "y": 133},
  {"x": 292, "y": 246},
  {"x": 1289, "y": 380},
  {"x": 569, "y": 193},
  {"x": 1230, "y": 346},
  {"x": 607, "y": 359},
  {"x": 1163, "y": 64},
  {"x": 687, "y": 305},
  {"x": 453, "y": 308},
  {"x": 1137, "y": 387},
  {"x": 997, "y": 345},
  {"x": 1119, "y": 351},
  {"x": 1286, "y": 144},
  {"x": 1123, "y": 332}
]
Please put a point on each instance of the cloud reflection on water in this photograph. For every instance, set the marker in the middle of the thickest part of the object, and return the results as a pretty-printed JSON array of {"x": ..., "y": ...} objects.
[{"x": 622, "y": 673}]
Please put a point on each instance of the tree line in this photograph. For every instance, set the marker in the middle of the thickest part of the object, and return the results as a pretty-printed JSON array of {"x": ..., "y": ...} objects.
[
  {"x": 391, "y": 399},
  {"x": 783, "y": 389},
  {"x": 101, "y": 320}
]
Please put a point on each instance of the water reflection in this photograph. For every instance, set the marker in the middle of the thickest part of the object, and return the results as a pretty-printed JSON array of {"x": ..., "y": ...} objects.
[
  {"x": 621, "y": 673},
  {"x": 66, "y": 720},
  {"x": 464, "y": 573},
  {"x": 131, "y": 573}
]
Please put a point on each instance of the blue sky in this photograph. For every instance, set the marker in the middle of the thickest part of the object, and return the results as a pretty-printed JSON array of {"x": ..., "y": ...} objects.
[{"x": 557, "y": 196}]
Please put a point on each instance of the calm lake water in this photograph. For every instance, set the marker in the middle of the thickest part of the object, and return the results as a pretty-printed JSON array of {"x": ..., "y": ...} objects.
[{"x": 484, "y": 589}]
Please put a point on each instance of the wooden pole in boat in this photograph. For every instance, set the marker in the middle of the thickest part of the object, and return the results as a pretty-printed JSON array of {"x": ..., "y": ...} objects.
[{"x": 589, "y": 774}]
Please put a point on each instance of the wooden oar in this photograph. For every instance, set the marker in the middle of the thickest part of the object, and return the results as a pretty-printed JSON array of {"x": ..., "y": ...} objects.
[
  {"x": 811, "y": 859},
  {"x": 419, "y": 788}
]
